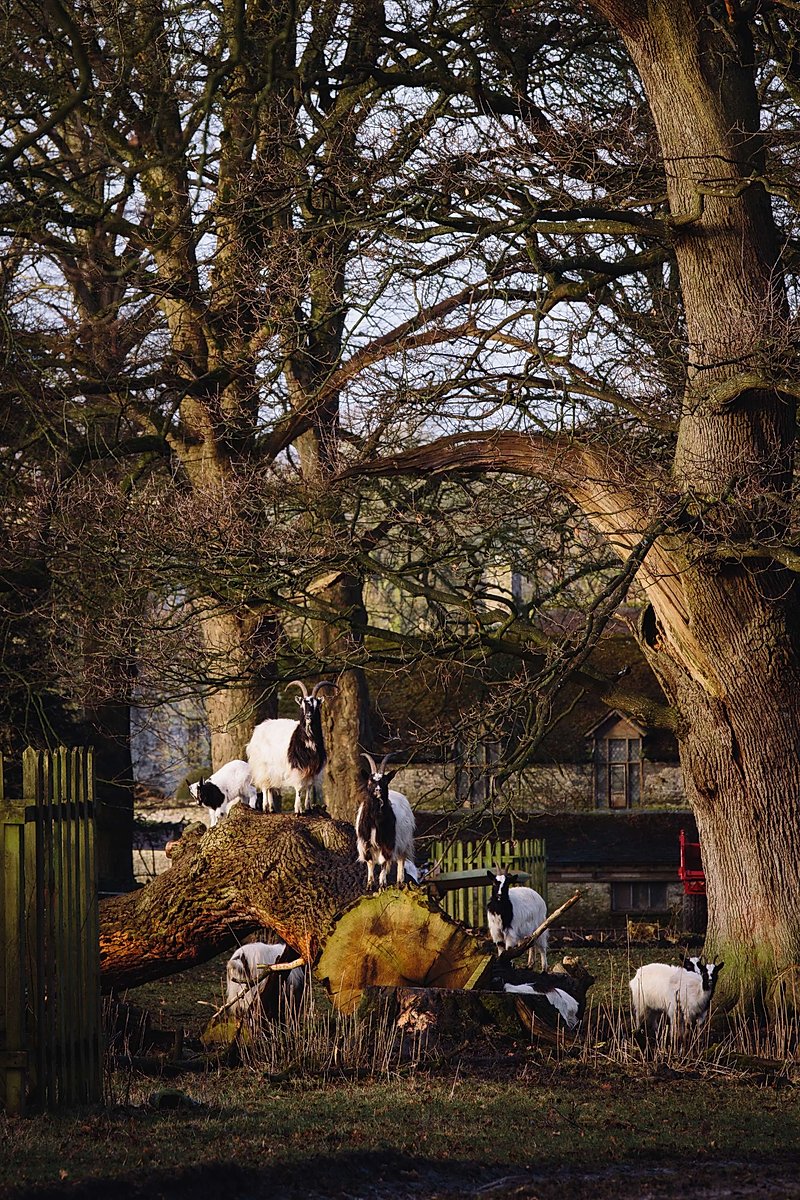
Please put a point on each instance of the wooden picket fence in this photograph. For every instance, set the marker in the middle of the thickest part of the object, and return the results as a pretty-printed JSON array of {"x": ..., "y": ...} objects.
[
  {"x": 50, "y": 1012},
  {"x": 520, "y": 854}
]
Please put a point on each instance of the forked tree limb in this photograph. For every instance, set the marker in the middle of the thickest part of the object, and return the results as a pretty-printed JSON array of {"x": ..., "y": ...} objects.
[{"x": 622, "y": 503}]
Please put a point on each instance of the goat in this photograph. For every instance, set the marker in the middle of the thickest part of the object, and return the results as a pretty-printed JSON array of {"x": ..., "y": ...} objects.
[
  {"x": 384, "y": 826},
  {"x": 231, "y": 784},
  {"x": 564, "y": 988},
  {"x": 285, "y": 753},
  {"x": 682, "y": 995},
  {"x": 245, "y": 971},
  {"x": 513, "y": 913}
]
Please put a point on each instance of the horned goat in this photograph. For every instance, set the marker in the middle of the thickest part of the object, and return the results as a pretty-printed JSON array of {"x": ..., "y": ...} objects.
[
  {"x": 681, "y": 995},
  {"x": 384, "y": 826},
  {"x": 285, "y": 753},
  {"x": 231, "y": 784},
  {"x": 513, "y": 913}
]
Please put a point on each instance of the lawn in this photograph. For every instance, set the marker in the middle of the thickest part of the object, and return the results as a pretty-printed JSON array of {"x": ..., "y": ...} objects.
[{"x": 499, "y": 1118}]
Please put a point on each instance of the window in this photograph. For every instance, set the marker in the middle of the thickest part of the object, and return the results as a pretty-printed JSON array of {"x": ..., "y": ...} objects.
[
  {"x": 638, "y": 897},
  {"x": 617, "y": 772}
]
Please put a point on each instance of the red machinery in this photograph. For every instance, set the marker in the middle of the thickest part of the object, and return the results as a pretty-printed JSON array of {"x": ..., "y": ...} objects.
[{"x": 693, "y": 878}]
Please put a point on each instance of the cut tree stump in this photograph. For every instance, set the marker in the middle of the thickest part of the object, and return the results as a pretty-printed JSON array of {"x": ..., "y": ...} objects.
[{"x": 398, "y": 938}]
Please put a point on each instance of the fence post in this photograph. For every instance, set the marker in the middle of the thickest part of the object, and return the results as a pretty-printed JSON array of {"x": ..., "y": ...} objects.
[{"x": 50, "y": 1034}]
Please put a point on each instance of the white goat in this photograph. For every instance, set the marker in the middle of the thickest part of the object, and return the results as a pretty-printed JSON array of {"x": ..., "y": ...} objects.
[
  {"x": 682, "y": 994},
  {"x": 231, "y": 784},
  {"x": 384, "y": 826},
  {"x": 245, "y": 970},
  {"x": 513, "y": 913},
  {"x": 285, "y": 753}
]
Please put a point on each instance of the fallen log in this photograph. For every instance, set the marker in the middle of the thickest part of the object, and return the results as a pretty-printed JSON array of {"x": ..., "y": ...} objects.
[{"x": 290, "y": 873}]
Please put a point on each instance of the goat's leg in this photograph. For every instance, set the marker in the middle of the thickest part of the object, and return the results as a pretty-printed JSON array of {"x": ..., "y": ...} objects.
[
  {"x": 370, "y": 874},
  {"x": 298, "y": 803},
  {"x": 401, "y": 871}
]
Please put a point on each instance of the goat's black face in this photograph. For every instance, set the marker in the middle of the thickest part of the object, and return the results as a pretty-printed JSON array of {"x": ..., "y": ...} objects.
[
  {"x": 378, "y": 785},
  {"x": 309, "y": 707},
  {"x": 209, "y": 794},
  {"x": 501, "y": 884}
]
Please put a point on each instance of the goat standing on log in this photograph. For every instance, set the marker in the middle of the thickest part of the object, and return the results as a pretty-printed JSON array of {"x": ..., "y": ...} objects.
[
  {"x": 231, "y": 784},
  {"x": 384, "y": 826},
  {"x": 285, "y": 753}
]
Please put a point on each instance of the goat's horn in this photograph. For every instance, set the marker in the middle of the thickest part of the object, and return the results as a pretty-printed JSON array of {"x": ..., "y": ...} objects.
[
  {"x": 323, "y": 683},
  {"x": 386, "y": 758},
  {"x": 370, "y": 760},
  {"x": 298, "y": 683}
]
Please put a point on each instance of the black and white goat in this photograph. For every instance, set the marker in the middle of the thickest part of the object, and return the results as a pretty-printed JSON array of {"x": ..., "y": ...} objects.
[
  {"x": 680, "y": 995},
  {"x": 384, "y": 826},
  {"x": 513, "y": 913},
  {"x": 231, "y": 784},
  {"x": 246, "y": 980},
  {"x": 564, "y": 988},
  {"x": 285, "y": 753}
]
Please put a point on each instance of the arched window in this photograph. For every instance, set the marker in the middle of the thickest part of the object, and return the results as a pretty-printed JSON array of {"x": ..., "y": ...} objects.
[{"x": 617, "y": 758}]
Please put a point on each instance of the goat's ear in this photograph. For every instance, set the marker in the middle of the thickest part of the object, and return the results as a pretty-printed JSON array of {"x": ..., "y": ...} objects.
[
  {"x": 719, "y": 966},
  {"x": 489, "y": 875},
  {"x": 299, "y": 700},
  {"x": 512, "y": 879},
  {"x": 389, "y": 775}
]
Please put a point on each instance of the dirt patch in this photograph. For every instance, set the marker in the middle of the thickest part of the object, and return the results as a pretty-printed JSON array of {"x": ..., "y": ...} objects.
[{"x": 379, "y": 1176}]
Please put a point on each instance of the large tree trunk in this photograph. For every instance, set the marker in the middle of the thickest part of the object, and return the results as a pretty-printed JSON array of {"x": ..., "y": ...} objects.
[
  {"x": 347, "y": 718},
  {"x": 244, "y": 677},
  {"x": 740, "y": 739}
]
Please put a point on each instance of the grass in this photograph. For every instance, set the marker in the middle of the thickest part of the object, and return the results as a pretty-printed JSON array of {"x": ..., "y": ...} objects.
[{"x": 330, "y": 1107}]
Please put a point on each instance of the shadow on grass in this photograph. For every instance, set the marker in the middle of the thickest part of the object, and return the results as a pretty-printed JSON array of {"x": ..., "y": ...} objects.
[{"x": 377, "y": 1175}]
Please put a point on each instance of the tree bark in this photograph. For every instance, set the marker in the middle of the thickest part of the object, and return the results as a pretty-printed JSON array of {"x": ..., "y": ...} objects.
[
  {"x": 346, "y": 718},
  {"x": 722, "y": 637},
  {"x": 288, "y": 873}
]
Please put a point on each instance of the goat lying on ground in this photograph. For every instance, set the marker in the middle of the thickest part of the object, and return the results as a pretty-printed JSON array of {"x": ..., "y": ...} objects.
[
  {"x": 231, "y": 784},
  {"x": 513, "y": 913},
  {"x": 285, "y": 753},
  {"x": 384, "y": 826},
  {"x": 680, "y": 995},
  {"x": 564, "y": 988}
]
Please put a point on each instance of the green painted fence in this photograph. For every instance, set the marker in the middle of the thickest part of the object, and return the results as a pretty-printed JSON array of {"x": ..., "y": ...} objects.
[
  {"x": 50, "y": 1013},
  {"x": 520, "y": 854}
]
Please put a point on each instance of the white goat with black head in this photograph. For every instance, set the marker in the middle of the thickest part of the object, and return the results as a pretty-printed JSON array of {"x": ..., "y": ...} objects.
[
  {"x": 247, "y": 980},
  {"x": 285, "y": 753},
  {"x": 513, "y": 913},
  {"x": 384, "y": 826},
  {"x": 680, "y": 995},
  {"x": 229, "y": 785}
]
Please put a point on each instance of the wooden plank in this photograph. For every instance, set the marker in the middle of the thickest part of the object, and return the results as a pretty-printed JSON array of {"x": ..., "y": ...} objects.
[
  {"x": 58, "y": 996},
  {"x": 91, "y": 934},
  {"x": 34, "y": 935},
  {"x": 12, "y": 979}
]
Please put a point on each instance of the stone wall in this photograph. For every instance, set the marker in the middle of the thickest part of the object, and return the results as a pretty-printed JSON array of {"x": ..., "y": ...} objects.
[{"x": 540, "y": 788}]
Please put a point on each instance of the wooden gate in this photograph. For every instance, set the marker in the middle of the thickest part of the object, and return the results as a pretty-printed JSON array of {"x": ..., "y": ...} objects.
[
  {"x": 50, "y": 1014},
  {"x": 520, "y": 854}
]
